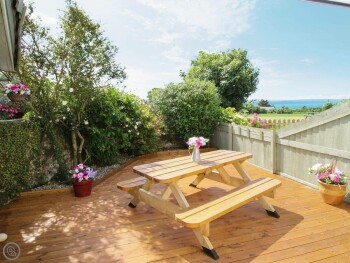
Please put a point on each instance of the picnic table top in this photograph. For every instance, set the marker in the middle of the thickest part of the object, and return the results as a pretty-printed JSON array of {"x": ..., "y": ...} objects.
[{"x": 174, "y": 169}]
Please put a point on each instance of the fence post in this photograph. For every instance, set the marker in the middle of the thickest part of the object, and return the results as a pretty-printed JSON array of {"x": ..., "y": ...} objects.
[
  {"x": 230, "y": 134},
  {"x": 273, "y": 151}
]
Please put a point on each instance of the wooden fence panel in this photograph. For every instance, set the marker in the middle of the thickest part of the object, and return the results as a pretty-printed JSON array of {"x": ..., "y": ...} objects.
[{"x": 292, "y": 150}]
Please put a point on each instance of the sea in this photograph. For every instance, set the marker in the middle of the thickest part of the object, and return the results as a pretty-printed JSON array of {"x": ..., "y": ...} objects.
[{"x": 296, "y": 104}]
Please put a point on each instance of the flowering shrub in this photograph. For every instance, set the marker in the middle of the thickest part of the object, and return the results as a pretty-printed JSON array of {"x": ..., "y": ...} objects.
[
  {"x": 117, "y": 123},
  {"x": 328, "y": 173},
  {"x": 8, "y": 112},
  {"x": 17, "y": 88},
  {"x": 196, "y": 142},
  {"x": 82, "y": 172},
  {"x": 257, "y": 122}
]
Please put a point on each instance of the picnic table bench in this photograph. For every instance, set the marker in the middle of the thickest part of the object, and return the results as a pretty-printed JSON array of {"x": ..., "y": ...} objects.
[{"x": 212, "y": 166}]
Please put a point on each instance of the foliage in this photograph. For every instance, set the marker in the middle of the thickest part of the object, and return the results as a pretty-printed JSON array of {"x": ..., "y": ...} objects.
[
  {"x": 327, "y": 106},
  {"x": 250, "y": 108},
  {"x": 189, "y": 108},
  {"x": 329, "y": 174},
  {"x": 257, "y": 122},
  {"x": 117, "y": 123},
  {"x": 230, "y": 71},
  {"x": 264, "y": 103},
  {"x": 154, "y": 96},
  {"x": 230, "y": 115},
  {"x": 82, "y": 172},
  {"x": 20, "y": 167},
  {"x": 65, "y": 72}
]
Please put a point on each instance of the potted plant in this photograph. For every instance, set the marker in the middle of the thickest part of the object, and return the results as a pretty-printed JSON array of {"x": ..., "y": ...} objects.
[
  {"x": 194, "y": 143},
  {"x": 82, "y": 178},
  {"x": 332, "y": 182},
  {"x": 17, "y": 92}
]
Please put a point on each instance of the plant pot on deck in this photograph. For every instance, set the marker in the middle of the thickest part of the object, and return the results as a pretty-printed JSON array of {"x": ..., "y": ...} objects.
[
  {"x": 332, "y": 194},
  {"x": 83, "y": 188}
]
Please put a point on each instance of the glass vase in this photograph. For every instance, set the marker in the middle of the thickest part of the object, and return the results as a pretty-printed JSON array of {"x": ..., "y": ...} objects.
[{"x": 196, "y": 157}]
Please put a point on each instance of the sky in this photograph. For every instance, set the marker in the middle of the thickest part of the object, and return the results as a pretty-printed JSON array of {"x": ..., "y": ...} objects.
[{"x": 302, "y": 49}]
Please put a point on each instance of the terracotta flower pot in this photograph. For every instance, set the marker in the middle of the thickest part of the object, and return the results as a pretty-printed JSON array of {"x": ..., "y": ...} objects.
[
  {"x": 83, "y": 188},
  {"x": 16, "y": 97},
  {"x": 332, "y": 194}
]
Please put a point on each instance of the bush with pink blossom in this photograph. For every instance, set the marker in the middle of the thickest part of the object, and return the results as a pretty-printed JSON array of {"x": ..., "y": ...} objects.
[
  {"x": 8, "y": 112},
  {"x": 257, "y": 122}
]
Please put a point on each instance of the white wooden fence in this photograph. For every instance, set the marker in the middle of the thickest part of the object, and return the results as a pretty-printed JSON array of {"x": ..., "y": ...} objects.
[
  {"x": 279, "y": 123},
  {"x": 296, "y": 147}
]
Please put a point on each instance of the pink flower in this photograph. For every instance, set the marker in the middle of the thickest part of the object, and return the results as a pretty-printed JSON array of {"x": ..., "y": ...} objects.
[
  {"x": 335, "y": 178},
  {"x": 322, "y": 175}
]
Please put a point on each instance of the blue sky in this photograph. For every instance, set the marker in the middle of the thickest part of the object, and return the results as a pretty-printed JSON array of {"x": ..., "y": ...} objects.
[{"x": 302, "y": 49}]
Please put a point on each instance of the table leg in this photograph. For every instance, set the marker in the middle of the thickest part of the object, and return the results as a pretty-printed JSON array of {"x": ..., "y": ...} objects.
[
  {"x": 270, "y": 210},
  {"x": 202, "y": 235},
  {"x": 179, "y": 196},
  {"x": 160, "y": 202},
  {"x": 135, "y": 193},
  {"x": 199, "y": 178},
  {"x": 166, "y": 193}
]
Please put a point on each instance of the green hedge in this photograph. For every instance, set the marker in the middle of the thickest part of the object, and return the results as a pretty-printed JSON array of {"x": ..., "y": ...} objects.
[
  {"x": 20, "y": 167},
  {"x": 191, "y": 108}
]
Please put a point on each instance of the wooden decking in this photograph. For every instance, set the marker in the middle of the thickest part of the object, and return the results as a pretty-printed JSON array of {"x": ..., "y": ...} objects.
[{"x": 58, "y": 227}]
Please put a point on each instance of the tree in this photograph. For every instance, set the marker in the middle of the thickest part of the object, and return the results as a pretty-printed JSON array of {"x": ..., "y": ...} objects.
[
  {"x": 154, "y": 96},
  {"x": 65, "y": 72},
  {"x": 230, "y": 71},
  {"x": 264, "y": 103},
  {"x": 191, "y": 108}
]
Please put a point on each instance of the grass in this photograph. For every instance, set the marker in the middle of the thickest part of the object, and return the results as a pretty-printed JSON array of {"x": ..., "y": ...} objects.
[{"x": 281, "y": 116}]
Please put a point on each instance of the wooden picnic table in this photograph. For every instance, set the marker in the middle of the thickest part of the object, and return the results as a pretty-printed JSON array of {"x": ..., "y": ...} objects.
[{"x": 213, "y": 166}]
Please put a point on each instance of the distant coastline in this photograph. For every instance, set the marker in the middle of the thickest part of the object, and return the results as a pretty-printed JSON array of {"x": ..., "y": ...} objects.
[{"x": 296, "y": 104}]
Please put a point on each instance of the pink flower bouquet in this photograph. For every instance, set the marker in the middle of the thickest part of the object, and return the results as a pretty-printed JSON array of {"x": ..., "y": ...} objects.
[
  {"x": 17, "y": 88},
  {"x": 82, "y": 172},
  {"x": 196, "y": 142},
  {"x": 329, "y": 174}
]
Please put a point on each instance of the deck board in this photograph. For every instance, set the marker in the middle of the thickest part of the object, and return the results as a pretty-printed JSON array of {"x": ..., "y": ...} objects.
[{"x": 102, "y": 228}]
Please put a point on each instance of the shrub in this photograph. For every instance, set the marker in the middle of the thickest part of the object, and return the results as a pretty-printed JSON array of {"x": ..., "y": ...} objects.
[
  {"x": 250, "y": 108},
  {"x": 230, "y": 115},
  {"x": 189, "y": 109},
  {"x": 118, "y": 122}
]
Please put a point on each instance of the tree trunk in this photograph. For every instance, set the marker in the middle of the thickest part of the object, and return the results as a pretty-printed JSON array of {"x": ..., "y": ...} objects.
[
  {"x": 82, "y": 140},
  {"x": 75, "y": 147}
]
